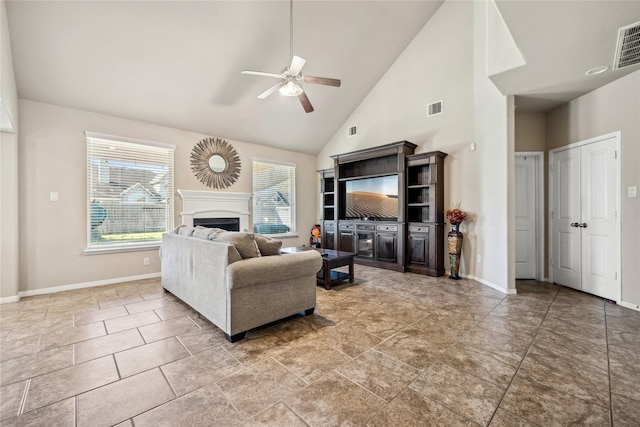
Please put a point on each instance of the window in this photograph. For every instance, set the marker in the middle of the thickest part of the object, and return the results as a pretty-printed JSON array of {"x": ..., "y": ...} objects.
[
  {"x": 273, "y": 198},
  {"x": 129, "y": 193}
]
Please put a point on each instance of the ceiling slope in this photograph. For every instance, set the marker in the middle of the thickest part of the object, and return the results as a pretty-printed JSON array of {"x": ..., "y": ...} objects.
[
  {"x": 560, "y": 41},
  {"x": 178, "y": 63}
]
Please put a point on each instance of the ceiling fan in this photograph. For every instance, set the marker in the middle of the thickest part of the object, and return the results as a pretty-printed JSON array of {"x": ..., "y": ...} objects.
[{"x": 291, "y": 76}]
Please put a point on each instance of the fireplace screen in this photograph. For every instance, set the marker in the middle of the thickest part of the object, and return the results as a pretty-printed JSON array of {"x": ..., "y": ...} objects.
[{"x": 229, "y": 224}]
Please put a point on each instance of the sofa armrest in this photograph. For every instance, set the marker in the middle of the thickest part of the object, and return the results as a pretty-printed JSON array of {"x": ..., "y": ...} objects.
[{"x": 270, "y": 269}]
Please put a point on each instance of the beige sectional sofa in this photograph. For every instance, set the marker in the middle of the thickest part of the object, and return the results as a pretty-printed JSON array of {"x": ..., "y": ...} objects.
[{"x": 237, "y": 280}]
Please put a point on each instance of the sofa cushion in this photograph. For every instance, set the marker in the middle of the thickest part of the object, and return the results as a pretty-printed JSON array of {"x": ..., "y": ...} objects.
[
  {"x": 267, "y": 245},
  {"x": 245, "y": 243}
]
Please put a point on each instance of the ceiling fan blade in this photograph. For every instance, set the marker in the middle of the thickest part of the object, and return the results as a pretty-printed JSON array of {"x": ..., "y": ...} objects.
[
  {"x": 304, "y": 100},
  {"x": 322, "y": 81},
  {"x": 261, "y": 73},
  {"x": 296, "y": 65},
  {"x": 269, "y": 91}
]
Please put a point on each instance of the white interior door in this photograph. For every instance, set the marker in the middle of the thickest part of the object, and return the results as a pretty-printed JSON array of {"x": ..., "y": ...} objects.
[
  {"x": 584, "y": 217},
  {"x": 598, "y": 227},
  {"x": 526, "y": 209},
  {"x": 565, "y": 253}
]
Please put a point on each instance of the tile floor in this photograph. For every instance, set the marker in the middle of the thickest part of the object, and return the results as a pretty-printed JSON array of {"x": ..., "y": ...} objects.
[{"x": 390, "y": 350}]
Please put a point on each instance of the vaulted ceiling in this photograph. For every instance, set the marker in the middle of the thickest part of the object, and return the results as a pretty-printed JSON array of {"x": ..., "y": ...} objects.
[{"x": 178, "y": 63}]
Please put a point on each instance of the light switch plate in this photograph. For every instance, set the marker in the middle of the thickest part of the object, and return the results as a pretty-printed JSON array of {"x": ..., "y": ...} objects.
[
  {"x": 53, "y": 196},
  {"x": 632, "y": 191}
]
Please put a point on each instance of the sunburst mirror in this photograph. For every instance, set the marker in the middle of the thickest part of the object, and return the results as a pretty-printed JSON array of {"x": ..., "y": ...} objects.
[{"x": 215, "y": 163}]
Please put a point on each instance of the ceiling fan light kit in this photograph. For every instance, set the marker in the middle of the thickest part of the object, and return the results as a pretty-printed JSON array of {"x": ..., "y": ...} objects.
[
  {"x": 290, "y": 88},
  {"x": 290, "y": 76}
]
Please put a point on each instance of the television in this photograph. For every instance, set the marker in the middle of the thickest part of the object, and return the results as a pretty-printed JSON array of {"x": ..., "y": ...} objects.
[{"x": 372, "y": 198}]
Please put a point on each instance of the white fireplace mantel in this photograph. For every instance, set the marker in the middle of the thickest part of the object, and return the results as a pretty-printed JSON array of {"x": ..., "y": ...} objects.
[{"x": 215, "y": 204}]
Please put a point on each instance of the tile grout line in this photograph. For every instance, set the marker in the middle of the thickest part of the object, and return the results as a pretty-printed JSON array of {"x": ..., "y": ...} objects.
[
  {"x": 438, "y": 359},
  {"x": 182, "y": 344},
  {"x": 169, "y": 383},
  {"x": 230, "y": 401},
  {"x": 606, "y": 336},
  {"x": 23, "y": 401},
  {"x": 522, "y": 361}
]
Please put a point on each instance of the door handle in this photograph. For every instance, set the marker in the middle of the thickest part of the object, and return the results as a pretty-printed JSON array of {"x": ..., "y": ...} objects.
[
  {"x": 583, "y": 225},
  {"x": 575, "y": 224}
]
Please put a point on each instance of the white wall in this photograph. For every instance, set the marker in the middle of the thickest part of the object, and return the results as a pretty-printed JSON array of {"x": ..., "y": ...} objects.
[
  {"x": 9, "y": 242},
  {"x": 53, "y": 158},
  {"x": 494, "y": 179},
  {"x": 439, "y": 64},
  {"x": 613, "y": 107}
]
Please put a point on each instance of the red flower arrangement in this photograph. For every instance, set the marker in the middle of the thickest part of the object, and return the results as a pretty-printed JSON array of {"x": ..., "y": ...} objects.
[{"x": 455, "y": 216}]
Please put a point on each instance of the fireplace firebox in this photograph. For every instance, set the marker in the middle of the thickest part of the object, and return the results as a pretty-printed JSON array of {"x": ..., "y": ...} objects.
[{"x": 229, "y": 224}]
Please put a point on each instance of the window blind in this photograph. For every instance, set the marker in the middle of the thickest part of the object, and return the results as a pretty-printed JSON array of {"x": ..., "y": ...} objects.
[
  {"x": 273, "y": 198},
  {"x": 129, "y": 192}
]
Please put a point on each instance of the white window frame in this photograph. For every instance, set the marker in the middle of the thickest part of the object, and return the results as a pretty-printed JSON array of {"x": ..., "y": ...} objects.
[
  {"x": 149, "y": 152},
  {"x": 292, "y": 198}
]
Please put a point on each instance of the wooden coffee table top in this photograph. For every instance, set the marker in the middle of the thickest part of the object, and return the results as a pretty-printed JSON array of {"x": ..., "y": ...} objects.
[
  {"x": 330, "y": 259},
  {"x": 328, "y": 253}
]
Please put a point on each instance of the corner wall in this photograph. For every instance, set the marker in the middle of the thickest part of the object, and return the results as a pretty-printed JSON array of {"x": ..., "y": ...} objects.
[
  {"x": 9, "y": 213},
  {"x": 53, "y": 158}
]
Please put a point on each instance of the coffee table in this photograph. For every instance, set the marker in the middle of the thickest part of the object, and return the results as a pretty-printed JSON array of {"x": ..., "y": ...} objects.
[{"x": 331, "y": 259}]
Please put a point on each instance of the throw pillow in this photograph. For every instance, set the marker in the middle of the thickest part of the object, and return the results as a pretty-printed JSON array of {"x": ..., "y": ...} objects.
[
  {"x": 267, "y": 245},
  {"x": 183, "y": 230},
  {"x": 245, "y": 243},
  {"x": 203, "y": 232},
  {"x": 233, "y": 255}
]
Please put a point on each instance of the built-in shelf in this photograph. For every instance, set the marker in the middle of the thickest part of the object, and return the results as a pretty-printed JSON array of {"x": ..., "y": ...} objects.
[
  {"x": 425, "y": 213},
  {"x": 415, "y": 242},
  {"x": 328, "y": 212}
]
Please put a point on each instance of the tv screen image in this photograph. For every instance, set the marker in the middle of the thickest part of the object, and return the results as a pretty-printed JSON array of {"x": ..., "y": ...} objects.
[{"x": 372, "y": 198}]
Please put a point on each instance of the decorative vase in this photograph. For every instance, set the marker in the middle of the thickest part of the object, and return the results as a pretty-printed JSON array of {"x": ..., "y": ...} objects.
[{"x": 454, "y": 240}]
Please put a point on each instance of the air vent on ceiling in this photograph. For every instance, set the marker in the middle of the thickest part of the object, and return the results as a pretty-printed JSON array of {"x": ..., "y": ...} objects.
[
  {"x": 628, "y": 47},
  {"x": 434, "y": 109},
  {"x": 353, "y": 131}
]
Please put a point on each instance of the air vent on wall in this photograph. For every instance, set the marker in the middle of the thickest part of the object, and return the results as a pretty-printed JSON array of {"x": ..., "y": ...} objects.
[
  {"x": 628, "y": 47},
  {"x": 434, "y": 109},
  {"x": 353, "y": 131}
]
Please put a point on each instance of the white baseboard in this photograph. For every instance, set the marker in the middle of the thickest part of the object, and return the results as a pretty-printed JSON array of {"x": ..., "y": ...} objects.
[
  {"x": 491, "y": 285},
  {"x": 630, "y": 305},
  {"x": 14, "y": 298},
  {"x": 75, "y": 286}
]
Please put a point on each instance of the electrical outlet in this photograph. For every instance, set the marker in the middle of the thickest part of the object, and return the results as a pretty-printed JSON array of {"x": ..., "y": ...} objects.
[
  {"x": 479, "y": 258},
  {"x": 146, "y": 261},
  {"x": 53, "y": 196}
]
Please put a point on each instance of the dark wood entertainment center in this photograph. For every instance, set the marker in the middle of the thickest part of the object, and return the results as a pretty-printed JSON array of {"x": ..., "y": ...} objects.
[{"x": 414, "y": 240}]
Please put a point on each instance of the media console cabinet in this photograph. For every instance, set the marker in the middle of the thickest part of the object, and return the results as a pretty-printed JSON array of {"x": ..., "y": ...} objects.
[{"x": 411, "y": 241}]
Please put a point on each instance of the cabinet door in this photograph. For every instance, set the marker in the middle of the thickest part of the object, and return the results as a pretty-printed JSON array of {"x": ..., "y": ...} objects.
[
  {"x": 418, "y": 249},
  {"x": 347, "y": 241},
  {"x": 329, "y": 239},
  {"x": 386, "y": 245}
]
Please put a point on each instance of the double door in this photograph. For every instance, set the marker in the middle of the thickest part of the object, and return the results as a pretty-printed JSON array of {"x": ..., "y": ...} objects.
[{"x": 584, "y": 230}]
